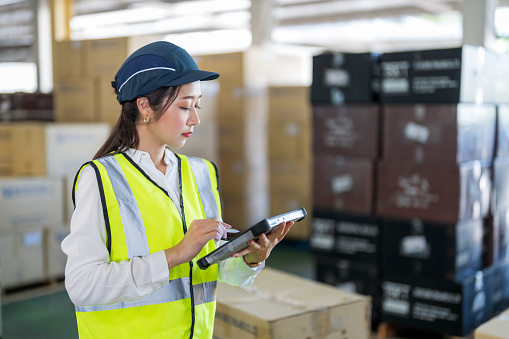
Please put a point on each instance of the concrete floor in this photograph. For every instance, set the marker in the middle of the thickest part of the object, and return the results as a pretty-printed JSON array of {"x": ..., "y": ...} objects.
[{"x": 47, "y": 313}]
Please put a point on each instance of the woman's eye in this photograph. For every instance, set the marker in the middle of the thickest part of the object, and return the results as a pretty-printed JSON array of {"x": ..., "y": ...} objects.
[
  {"x": 185, "y": 108},
  {"x": 197, "y": 107}
]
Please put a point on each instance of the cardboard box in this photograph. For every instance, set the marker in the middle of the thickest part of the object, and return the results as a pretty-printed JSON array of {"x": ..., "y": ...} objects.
[
  {"x": 107, "y": 107},
  {"x": 290, "y": 189},
  {"x": 53, "y": 148},
  {"x": 344, "y": 184},
  {"x": 500, "y": 196},
  {"x": 454, "y": 308},
  {"x": 22, "y": 106},
  {"x": 29, "y": 101},
  {"x": 354, "y": 277},
  {"x": 497, "y": 237},
  {"x": 289, "y": 121},
  {"x": 500, "y": 274},
  {"x": 347, "y": 236},
  {"x": 67, "y": 59},
  {"x": 259, "y": 67},
  {"x": 242, "y": 114},
  {"x": 422, "y": 251},
  {"x": 22, "y": 256},
  {"x": 340, "y": 78},
  {"x": 75, "y": 100},
  {"x": 5, "y": 149},
  {"x": 27, "y": 148},
  {"x": 442, "y": 194},
  {"x": 439, "y": 134},
  {"x": 495, "y": 328},
  {"x": 30, "y": 201},
  {"x": 280, "y": 305},
  {"x": 104, "y": 56},
  {"x": 348, "y": 130},
  {"x": 55, "y": 259},
  {"x": 450, "y": 75},
  {"x": 497, "y": 84}
]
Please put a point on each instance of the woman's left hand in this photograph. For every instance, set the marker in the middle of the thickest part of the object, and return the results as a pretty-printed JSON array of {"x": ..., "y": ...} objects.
[{"x": 259, "y": 250}]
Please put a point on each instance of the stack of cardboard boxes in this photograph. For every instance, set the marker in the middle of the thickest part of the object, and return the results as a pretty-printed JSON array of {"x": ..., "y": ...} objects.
[
  {"x": 346, "y": 235},
  {"x": 38, "y": 160},
  {"x": 434, "y": 188},
  {"x": 289, "y": 154},
  {"x": 433, "y": 200},
  {"x": 21, "y": 106},
  {"x": 243, "y": 114}
]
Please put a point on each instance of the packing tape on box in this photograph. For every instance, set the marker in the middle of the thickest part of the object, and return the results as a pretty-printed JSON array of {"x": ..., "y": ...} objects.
[{"x": 280, "y": 299}]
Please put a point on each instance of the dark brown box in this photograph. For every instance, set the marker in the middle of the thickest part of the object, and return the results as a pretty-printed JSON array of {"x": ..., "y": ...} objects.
[
  {"x": 500, "y": 195},
  {"x": 353, "y": 277},
  {"x": 448, "y": 75},
  {"x": 443, "y": 194},
  {"x": 432, "y": 251},
  {"x": 350, "y": 129},
  {"x": 344, "y": 184},
  {"x": 347, "y": 236},
  {"x": 340, "y": 78},
  {"x": 497, "y": 238},
  {"x": 438, "y": 133},
  {"x": 454, "y": 308},
  {"x": 500, "y": 277}
]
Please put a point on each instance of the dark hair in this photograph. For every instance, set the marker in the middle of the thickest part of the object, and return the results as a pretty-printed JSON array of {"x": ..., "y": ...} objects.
[{"x": 124, "y": 134}]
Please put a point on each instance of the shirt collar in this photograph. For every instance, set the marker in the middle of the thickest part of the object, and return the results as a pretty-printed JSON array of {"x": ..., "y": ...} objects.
[{"x": 137, "y": 156}]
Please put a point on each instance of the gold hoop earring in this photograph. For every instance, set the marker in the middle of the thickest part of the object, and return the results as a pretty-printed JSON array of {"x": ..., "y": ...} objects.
[{"x": 146, "y": 120}]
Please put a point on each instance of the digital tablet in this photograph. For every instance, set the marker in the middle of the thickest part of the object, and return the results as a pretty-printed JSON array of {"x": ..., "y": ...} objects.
[{"x": 241, "y": 241}]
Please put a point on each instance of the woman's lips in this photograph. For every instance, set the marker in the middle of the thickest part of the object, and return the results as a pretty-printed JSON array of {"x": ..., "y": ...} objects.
[{"x": 187, "y": 135}]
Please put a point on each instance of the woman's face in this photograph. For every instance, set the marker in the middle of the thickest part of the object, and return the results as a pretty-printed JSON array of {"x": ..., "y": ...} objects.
[{"x": 177, "y": 123}]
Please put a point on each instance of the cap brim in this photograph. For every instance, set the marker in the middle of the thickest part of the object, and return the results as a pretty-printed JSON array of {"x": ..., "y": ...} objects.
[{"x": 196, "y": 75}]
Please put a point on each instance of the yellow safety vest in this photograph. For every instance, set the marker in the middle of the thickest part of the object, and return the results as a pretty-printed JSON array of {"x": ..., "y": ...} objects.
[{"x": 142, "y": 219}]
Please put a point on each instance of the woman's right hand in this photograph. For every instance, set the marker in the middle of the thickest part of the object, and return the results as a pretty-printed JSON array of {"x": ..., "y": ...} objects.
[{"x": 198, "y": 234}]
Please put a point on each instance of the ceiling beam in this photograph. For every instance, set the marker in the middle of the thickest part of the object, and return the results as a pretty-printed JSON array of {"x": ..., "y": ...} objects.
[
  {"x": 437, "y": 6},
  {"x": 359, "y": 15}
]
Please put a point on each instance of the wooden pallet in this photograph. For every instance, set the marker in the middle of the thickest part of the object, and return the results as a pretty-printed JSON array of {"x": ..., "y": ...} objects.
[{"x": 387, "y": 330}]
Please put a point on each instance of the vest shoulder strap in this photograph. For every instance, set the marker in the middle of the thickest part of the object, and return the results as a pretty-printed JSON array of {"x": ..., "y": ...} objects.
[{"x": 201, "y": 173}]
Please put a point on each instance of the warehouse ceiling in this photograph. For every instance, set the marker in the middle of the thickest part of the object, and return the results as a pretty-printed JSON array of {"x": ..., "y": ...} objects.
[{"x": 348, "y": 25}]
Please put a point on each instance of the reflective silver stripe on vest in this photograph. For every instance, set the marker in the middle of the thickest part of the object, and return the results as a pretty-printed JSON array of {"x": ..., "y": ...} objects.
[
  {"x": 177, "y": 289},
  {"x": 202, "y": 177},
  {"x": 205, "y": 293},
  {"x": 135, "y": 236},
  {"x": 137, "y": 243}
]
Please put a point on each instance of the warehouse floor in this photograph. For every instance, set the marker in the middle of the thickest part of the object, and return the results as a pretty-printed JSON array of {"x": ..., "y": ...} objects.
[{"x": 47, "y": 313}]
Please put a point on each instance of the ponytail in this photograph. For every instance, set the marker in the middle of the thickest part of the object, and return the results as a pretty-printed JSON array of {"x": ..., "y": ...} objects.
[{"x": 124, "y": 134}]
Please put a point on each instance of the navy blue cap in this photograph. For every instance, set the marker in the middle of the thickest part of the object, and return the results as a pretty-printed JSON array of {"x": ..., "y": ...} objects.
[{"x": 156, "y": 65}]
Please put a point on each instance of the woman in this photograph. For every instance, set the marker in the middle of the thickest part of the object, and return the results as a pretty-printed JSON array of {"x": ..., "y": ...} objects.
[{"x": 144, "y": 215}]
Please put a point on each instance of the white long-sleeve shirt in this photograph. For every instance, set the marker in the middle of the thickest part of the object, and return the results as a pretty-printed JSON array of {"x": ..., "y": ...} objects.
[{"x": 90, "y": 277}]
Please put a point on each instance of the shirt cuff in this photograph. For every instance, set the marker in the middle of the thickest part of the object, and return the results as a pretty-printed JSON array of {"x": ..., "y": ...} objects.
[{"x": 158, "y": 267}]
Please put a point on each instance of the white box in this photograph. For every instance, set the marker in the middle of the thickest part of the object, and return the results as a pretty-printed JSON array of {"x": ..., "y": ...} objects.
[
  {"x": 68, "y": 146},
  {"x": 55, "y": 258},
  {"x": 30, "y": 201},
  {"x": 22, "y": 256}
]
